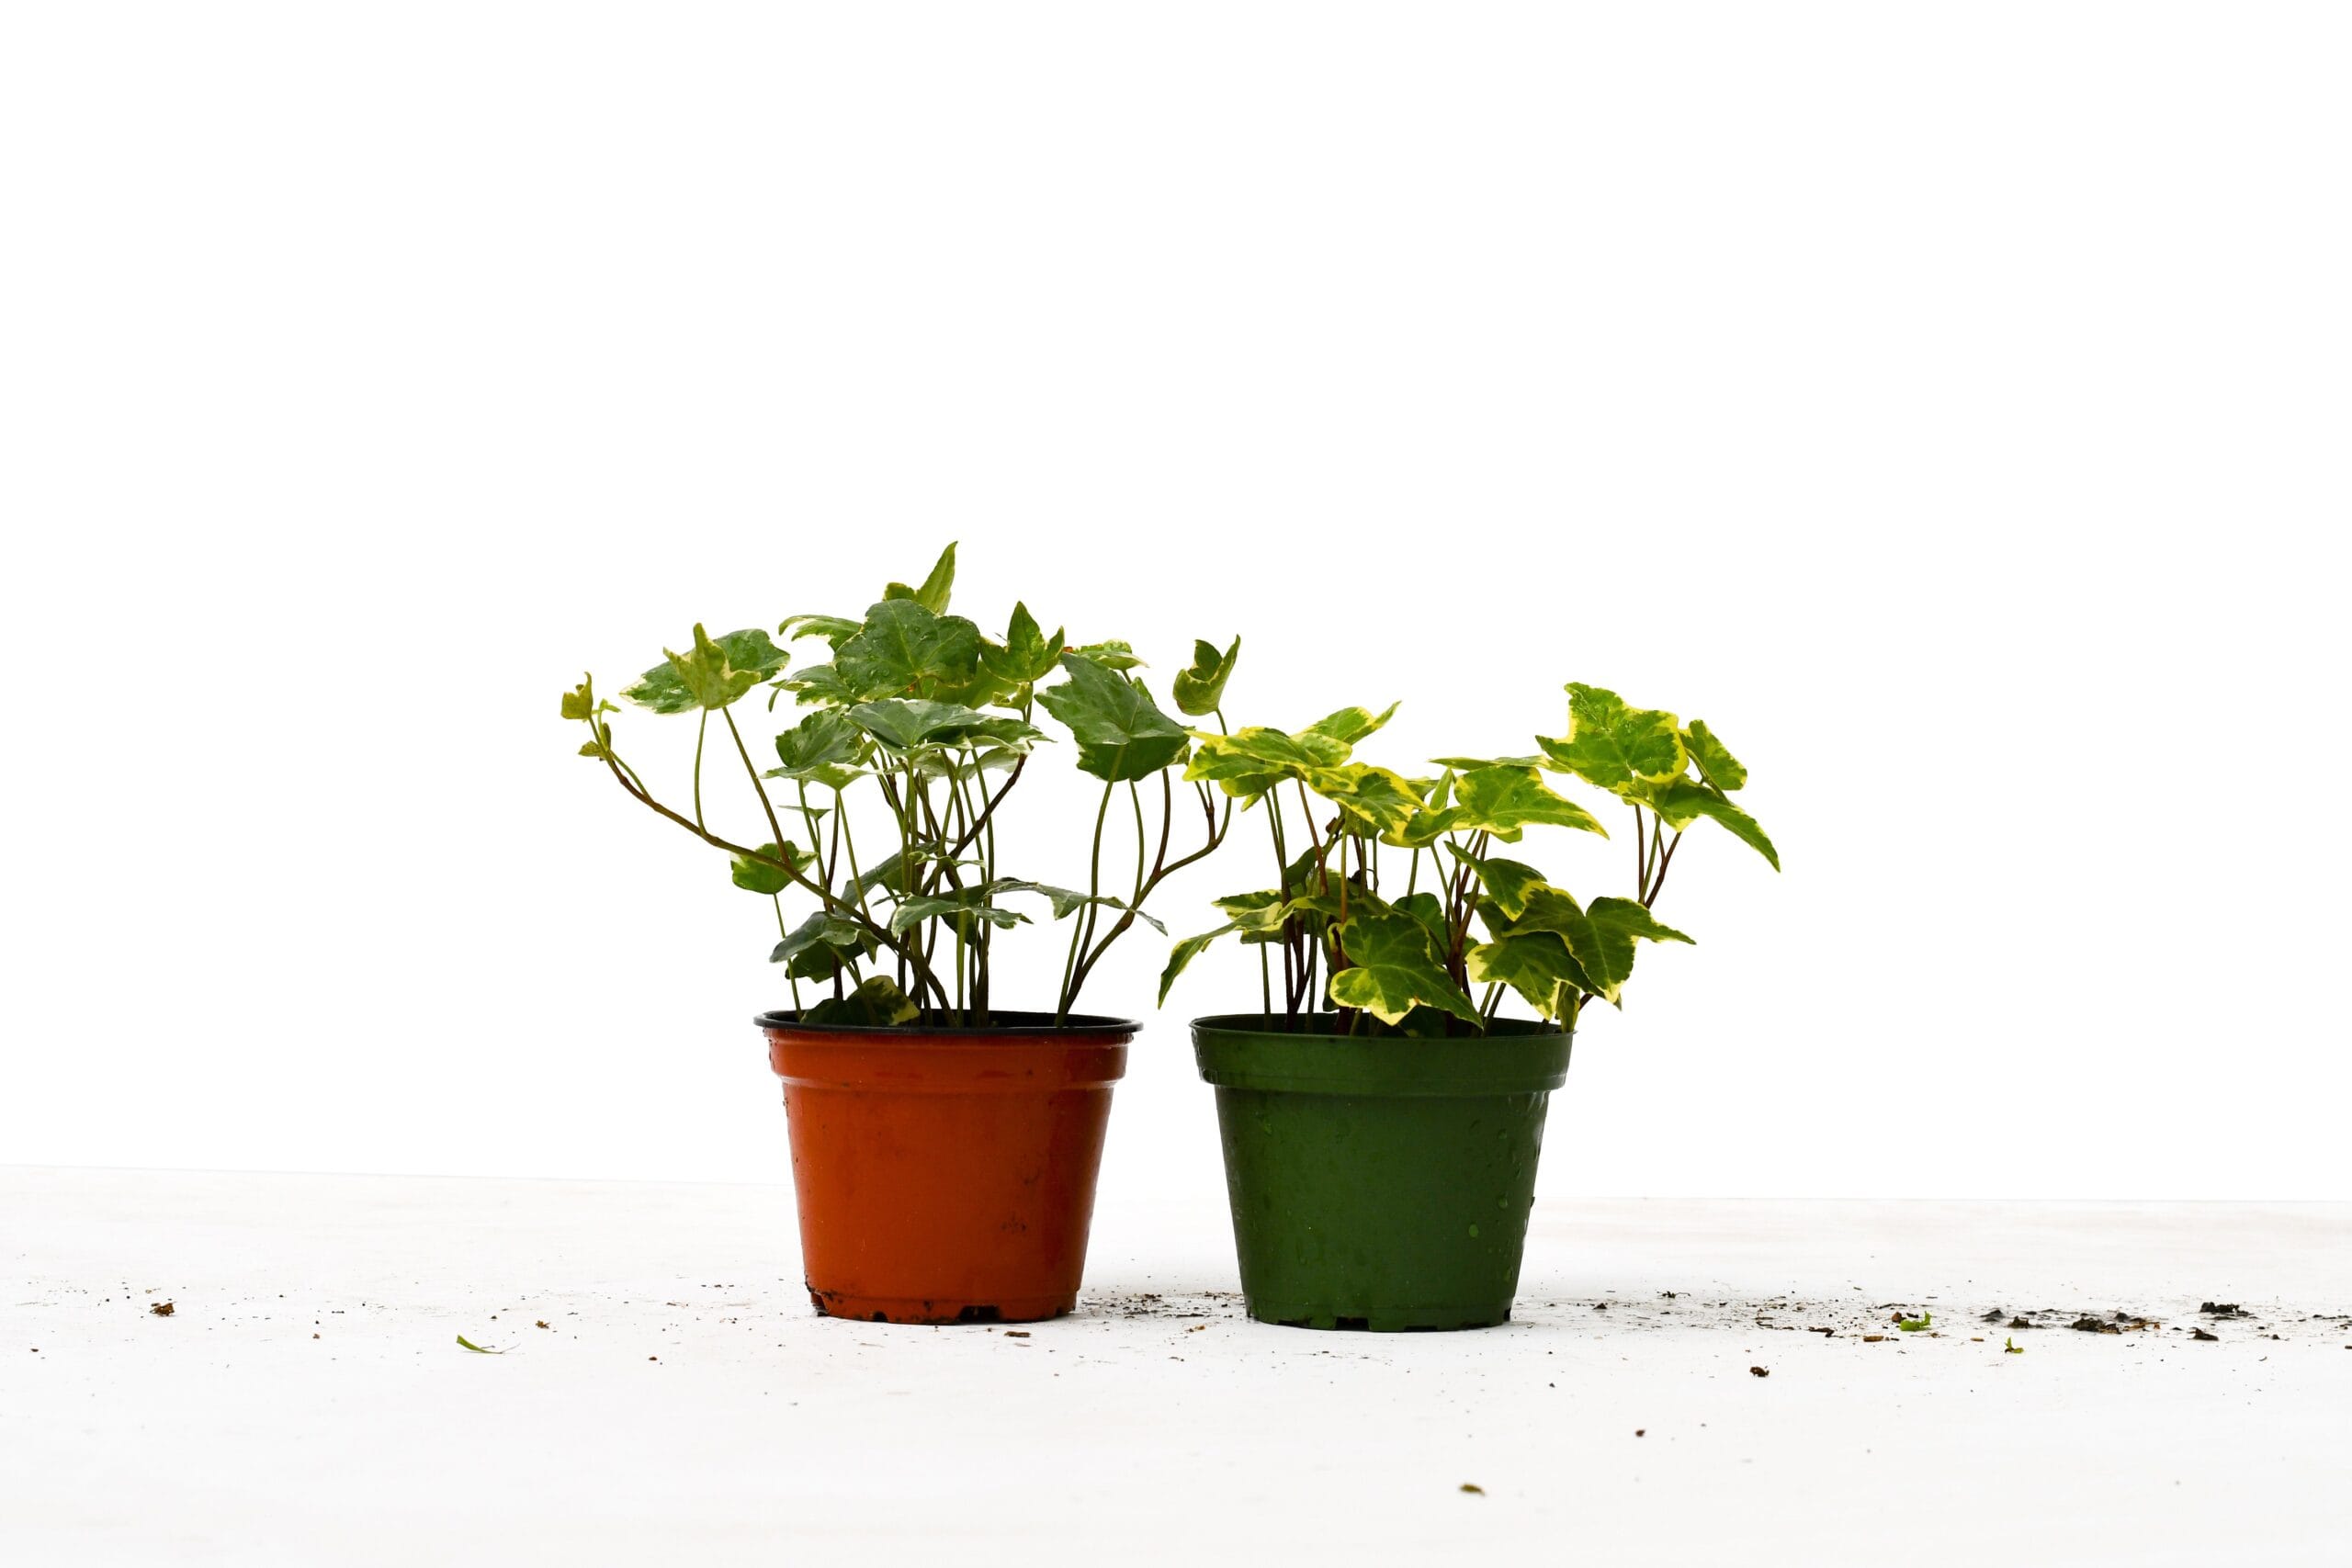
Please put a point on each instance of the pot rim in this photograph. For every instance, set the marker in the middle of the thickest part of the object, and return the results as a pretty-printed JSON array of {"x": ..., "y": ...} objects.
[
  {"x": 1079, "y": 1028},
  {"x": 1236, "y": 1050}
]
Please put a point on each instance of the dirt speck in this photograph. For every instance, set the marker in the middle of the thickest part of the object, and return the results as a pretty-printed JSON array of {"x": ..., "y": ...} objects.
[
  {"x": 2222, "y": 1309},
  {"x": 2200, "y": 1333},
  {"x": 1873, "y": 1339},
  {"x": 162, "y": 1309},
  {"x": 1645, "y": 1431},
  {"x": 1016, "y": 1334},
  {"x": 1474, "y": 1489},
  {"x": 1759, "y": 1371}
]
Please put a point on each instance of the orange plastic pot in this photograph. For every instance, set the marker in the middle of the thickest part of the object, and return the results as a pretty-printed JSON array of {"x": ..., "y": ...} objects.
[{"x": 946, "y": 1174}]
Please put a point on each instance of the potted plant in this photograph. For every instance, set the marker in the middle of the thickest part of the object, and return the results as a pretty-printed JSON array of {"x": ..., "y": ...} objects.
[
  {"x": 1382, "y": 1117},
  {"x": 944, "y": 1147}
]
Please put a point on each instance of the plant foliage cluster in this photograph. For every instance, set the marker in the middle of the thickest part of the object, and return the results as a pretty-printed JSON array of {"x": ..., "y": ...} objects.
[
  {"x": 920, "y": 722},
  {"x": 1470, "y": 924}
]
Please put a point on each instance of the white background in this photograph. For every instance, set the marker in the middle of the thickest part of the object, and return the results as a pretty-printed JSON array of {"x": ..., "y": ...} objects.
[{"x": 1951, "y": 409}]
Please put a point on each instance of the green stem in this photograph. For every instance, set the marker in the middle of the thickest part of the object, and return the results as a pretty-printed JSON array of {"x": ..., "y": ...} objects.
[{"x": 1093, "y": 891}]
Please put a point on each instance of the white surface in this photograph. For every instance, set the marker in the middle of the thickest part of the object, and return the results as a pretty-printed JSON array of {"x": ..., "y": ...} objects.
[
  {"x": 683, "y": 1406},
  {"x": 1946, "y": 405}
]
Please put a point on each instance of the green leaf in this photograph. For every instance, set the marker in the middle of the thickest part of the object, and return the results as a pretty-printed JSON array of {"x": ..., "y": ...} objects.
[
  {"x": 1351, "y": 725},
  {"x": 1395, "y": 968},
  {"x": 479, "y": 1349},
  {"x": 1506, "y": 882},
  {"x": 1376, "y": 800},
  {"x": 1183, "y": 955},
  {"x": 1252, "y": 761},
  {"x": 818, "y": 684},
  {"x": 1201, "y": 689},
  {"x": 822, "y": 744},
  {"x": 932, "y": 595},
  {"x": 1112, "y": 655},
  {"x": 1715, "y": 761},
  {"x": 1537, "y": 964},
  {"x": 878, "y": 1003},
  {"x": 821, "y": 927},
  {"x": 1121, "y": 732},
  {"x": 906, "y": 723},
  {"x": 1601, "y": 939},
  {"x": 1614, "y": 746},
  {"x": 1470, "y": 764},
  {"x": 1505, "y": 800},
  {"x": 757, "y": 876},
  {"x": 712, "y": 675},
  {"x": 1680, "y": 802},
  {"x": 580, "y": 701},
  {"x": 1914, "y": 1324},
  {"x": 1427, "y": 909},
  {"x": 834, "y": 629},
  {"x": 906, "y": 651},
  {"x": 1027, "y": 655},
  {"x": 1260, "y": 914},
  {"x": 1068, "y": 901},
  {"x": 965, "y": 903}
]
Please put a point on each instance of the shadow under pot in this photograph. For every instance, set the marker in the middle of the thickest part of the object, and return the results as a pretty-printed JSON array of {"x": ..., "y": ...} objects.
[
  {"x": 946, "y": 1174},
  {"x": 1382, "y": 1183}
]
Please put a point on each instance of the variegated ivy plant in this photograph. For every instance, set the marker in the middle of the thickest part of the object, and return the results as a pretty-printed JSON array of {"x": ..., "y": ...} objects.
[
  {"x": 924, "y": 724},
  {"x": 1412, "y": 961}
]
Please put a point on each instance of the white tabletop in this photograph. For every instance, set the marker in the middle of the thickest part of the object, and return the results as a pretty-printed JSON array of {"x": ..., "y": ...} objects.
[{"x": 306, "y": 1401}]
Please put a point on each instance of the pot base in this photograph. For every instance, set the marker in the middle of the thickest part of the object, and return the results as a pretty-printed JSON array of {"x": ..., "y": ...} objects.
[
  {"x": 907, "y": 1309},
  {"x": 1398, "y": 1320}
]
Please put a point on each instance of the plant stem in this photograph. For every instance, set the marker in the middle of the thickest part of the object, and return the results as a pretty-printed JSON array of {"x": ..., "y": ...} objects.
[{"x": 1093, "y": 891}]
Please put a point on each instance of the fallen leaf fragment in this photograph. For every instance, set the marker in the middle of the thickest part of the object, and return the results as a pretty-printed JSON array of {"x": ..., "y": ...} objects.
[
  {"x": 478, "y": 1350},
  {"x": 1474, "y": 1489}
]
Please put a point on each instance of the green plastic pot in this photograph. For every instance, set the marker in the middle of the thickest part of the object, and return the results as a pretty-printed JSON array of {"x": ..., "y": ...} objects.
[{"x": 1382, "y": 1184}]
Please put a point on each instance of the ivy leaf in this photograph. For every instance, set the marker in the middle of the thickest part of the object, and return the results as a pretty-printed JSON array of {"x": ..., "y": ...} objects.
[
  {"x": 906, "y": 723},
  {"x": 1120, "y": 733},
  {"x": 581, "y": 701},
  {"x": 758, "y": 876},
  {"x": 1251, "y": 760},
  {"x": 876, "y": 1004},
  {"x": 1028, "y": 654},
  {"x": 1471, "y": 764},
  {"x": 1183, "y": 953},
  {"x": 906, "y": 651},
  {"x": 712, "y": 675},
  {"x": 1395, "y": 968},
  {"x": 963, "y": 904},
  {"x": 1601, "y": 938},
  {"x": 1114, "y": 654},
  {"x": 1715, "y": 761},
  {"x": 1068, "y": 901},
  {"x": 1258, "y": 917},
  {"x": 1426, "y": 908},
  {"x": 1377, "y": 801},
  {"x": 1680, "y": 802},
  {"x": 834, "y": 629},
  {"x": 1506, "y": 882},
  {"x": 1537, "y": 964},
  {"x": 819, "y": 929},
  {"x": 932, "y": 595},
  {"x": 823, "y": 747},
  {"x": 1614, "y": 746},
  {"x": 1201, "y": 689},
  {"x": 1504, "y": 800},
  {"x": 818, "y": 684},
  {"x": 1351, "y": 725}
]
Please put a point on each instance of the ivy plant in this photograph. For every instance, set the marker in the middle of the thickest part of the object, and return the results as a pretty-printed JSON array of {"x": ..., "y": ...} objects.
[
  {"x": 909, "y": 739},
  {"x": 1469, "y": 923}
]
